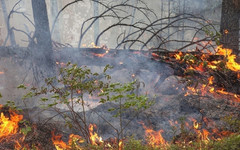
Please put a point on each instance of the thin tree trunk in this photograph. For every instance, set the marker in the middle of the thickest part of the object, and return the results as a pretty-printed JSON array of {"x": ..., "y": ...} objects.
[
  {"x": 6, "y": 19},
  {"x": 54, "y": 10},
  {"x": 96, "y": 24},
  {"x": 183, "y": 23},
  {"x": 229, "y": 27},
  {"x": 169, "y": 11}
]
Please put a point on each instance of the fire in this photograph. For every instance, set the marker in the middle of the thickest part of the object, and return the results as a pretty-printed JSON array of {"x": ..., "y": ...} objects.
[
  {"x": 99, "y": 55},
  {"x": 205, "y": 134},
  {"x": 202, "y": 133},
  {"x": 195, "y": 124},
  {"x": 178, "y": 56},
  {"x": 76, "y": 140},
  {"x": 61, "y": 145},
  {"x": 154, "y": 137},
  {"x": 210, "y": 80},
  {"x": 231, "y": 63},
  {"x": 94, "y": 138},
  {"x": 1, "y": 72},
  {"x": 9, "y": 126},
  {"x": 211, "y": 90}
]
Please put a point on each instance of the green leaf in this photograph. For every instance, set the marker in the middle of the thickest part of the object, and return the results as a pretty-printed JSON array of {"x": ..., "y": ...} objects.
[
  {"x": 53, "y": 104},
  {"x": 107, "y": 67},
  {"x": 102, "y": 100},
  {"x": 26, "y": 130},
  {"x": 56, "y": 96},
  {"x": 21, "y": 86},
  {"x": 44, "y": 99},
  {"x": 28, "y": 95},
  {"x": 111, "y": 109}
]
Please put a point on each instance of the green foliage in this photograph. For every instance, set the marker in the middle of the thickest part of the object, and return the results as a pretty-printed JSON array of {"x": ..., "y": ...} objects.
[
  {"x": 133, "y": 144},
  {"x": 26, "y": 127},
  {"x": 215, "y": 35},
  {"x": 73, "y": 82},
  {"x": 22, "y": 86},
  {"x": 26, "y": 130},
  {"x": 123, "y": 93},
  {"x": 232, "y": 124},
  {"x": 12, "y": 106},
  {"x": 227, "y": 143}
]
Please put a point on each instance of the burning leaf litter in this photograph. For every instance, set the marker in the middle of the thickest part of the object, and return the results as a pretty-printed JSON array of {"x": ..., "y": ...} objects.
[{"x": 207, "y": 65}]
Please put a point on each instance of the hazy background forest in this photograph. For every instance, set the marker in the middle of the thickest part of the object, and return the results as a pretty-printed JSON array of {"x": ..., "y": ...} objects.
[{"x": 68, "y": 25}]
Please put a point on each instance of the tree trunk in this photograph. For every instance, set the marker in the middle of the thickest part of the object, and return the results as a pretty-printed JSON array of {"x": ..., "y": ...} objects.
[
  {"x": 229, "y": 27},
  {"x": 43, "y": 53}
]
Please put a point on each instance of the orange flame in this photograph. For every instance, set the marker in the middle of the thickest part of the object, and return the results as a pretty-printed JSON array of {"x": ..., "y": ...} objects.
[
  {"x": 195, "y": 124},
  {"x": 205, "y": 134},
  {"x": 61, "y": 145},
  {"x": 154, "y": 137},
  {"x": 178, "y": 56},
  {"x": 58, "y": 143},
  {"x": 94, "y": 138},
  {"x": 231, "y": 63},
  {"x": 9, "y": 126},
  {"x": 210, "y": 80},
  {"x": 74, "y": 139},
  {"x": 99, "y": 55}
]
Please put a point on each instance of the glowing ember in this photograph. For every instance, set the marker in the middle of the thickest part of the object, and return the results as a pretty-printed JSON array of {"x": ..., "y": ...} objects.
[
  {"x": 99, "y": 55},
  {"x": 226, "y": 31},
  {"x": 212, "y": 90}
]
